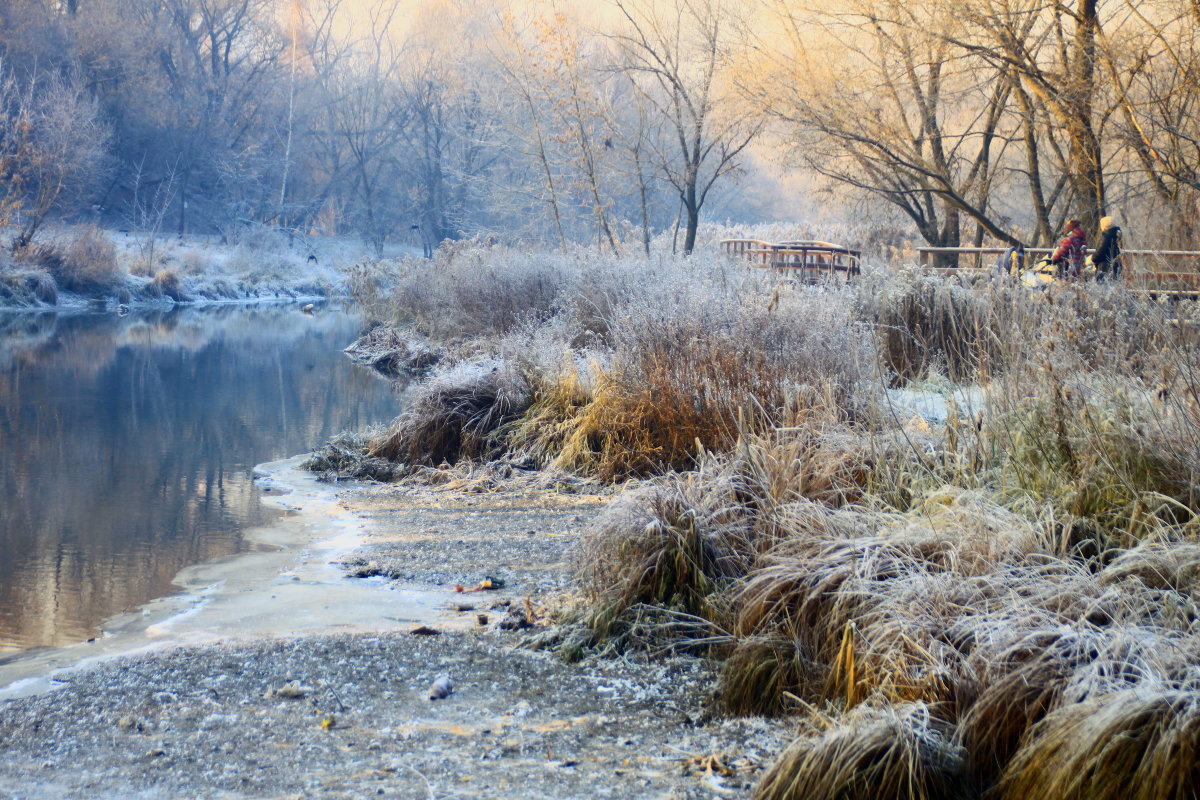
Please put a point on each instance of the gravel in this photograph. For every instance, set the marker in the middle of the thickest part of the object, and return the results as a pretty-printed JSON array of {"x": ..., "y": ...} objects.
[{"x": 350, "y": 716}]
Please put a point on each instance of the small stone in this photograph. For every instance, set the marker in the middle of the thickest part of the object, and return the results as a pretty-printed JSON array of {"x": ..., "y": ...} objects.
[
  {"x": 425, "y": 630},
  {"x": 482, "y": 619},
  {"x": 129, "y": 724},
  {"x": 515, "y": 621},
  {"x": 292, "y": 690},
  {"x": 442, "y": 688}
]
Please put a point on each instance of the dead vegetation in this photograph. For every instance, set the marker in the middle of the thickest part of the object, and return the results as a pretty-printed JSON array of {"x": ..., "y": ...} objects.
[{"x": 1000, "y": 598}]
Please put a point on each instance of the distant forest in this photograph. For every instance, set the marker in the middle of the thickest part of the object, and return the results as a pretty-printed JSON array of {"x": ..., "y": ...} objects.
[{"x": 965, "y": 120}]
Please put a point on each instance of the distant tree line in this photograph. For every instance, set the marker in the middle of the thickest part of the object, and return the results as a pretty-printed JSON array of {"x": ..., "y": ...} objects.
[
  {"x": 382, "y": 118},
  {"x": 972, "y": 120}
]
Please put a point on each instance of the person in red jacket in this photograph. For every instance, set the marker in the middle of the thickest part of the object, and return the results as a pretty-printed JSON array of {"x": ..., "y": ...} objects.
[{"x": 1069, "y": 255}]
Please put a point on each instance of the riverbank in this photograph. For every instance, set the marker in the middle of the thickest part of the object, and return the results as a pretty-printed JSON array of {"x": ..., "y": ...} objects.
[
  {"x": 72, "y": 267},
  {"x": 216, "y": 719}
]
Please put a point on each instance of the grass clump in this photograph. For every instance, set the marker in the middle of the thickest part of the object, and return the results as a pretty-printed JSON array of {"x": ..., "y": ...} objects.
[
  {"x": 895, "y": 752},
  {"x": 346, "y": 457},
  {"x": 1131, "y": 745},
  {"x": 21, "y": 287},
  {"x": 925, "y": 323},
  {"x": 167, "y": 283},
  {"x": 392, "y": 352},
  {"x": 85, "y": 263},
  {"x": 454, "y": 416},
  {"x": 664, "y": 547},
  {"x": 768, "y": 677}
]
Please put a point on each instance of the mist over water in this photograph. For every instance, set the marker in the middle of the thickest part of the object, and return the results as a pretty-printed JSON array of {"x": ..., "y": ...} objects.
[{"x": 127, "y": 444}]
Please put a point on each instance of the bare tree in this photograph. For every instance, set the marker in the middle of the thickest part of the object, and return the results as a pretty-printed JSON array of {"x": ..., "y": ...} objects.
[
  {"x": 887, "y": 106},
  {"x": 1050, "y": 50},
  {"x": 1153, "y": 67},
  {"x": 674, "y": 54},
  {"x": 52, "y": 149},
  {"x": 363, "y": 113}
]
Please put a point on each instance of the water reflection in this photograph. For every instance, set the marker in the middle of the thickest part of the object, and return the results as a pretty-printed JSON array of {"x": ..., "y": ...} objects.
[{"x": 126, "y": 446}]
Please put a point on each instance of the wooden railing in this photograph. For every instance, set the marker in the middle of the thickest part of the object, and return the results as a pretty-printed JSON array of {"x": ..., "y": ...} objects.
[
  {"x": 1155, "y": 271},
  {"x": 809, "y": 261}
]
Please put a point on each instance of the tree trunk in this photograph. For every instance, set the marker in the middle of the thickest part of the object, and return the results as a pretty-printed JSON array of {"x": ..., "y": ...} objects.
[{"x": 1087, "y": 167}]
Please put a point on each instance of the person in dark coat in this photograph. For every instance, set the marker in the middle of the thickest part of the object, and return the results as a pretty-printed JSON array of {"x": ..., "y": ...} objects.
[{"x": 1107, "y": 258}]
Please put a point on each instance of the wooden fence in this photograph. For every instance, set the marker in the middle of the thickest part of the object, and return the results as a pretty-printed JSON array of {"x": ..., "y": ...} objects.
[{"x": 1163, "y": 272}]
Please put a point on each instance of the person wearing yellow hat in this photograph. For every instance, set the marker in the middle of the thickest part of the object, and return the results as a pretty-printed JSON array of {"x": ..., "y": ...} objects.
[{"x": 1107, "y": 258}]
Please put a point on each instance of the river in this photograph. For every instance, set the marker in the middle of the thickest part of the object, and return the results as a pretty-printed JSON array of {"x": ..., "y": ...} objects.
[{"x": 127, "y": 446}]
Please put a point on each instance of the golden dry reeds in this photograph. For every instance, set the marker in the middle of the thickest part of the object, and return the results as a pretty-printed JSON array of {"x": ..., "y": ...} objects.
[
  {"x": 898, "y": 752},
  {"x": 454, "y": 416},
  {"x": 1136, "y": 744},
  {"x": 660, "y": 547}
]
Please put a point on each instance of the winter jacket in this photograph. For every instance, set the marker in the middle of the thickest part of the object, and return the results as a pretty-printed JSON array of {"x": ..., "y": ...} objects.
[
  {"x": 1070, "y": 249},
  {"x": 1107, "y": 257}
]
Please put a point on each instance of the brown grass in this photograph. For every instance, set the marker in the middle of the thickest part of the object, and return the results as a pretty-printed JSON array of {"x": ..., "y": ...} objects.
[
  {"x": 453, "y": 417},
  {"x": 896, "y": 752},
  {"x": 1136, "y": 744},
  {"x": 85, "y": 262}
]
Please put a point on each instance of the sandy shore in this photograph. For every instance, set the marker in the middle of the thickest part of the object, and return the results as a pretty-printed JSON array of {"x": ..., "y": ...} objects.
[{"x": 294, "y": 672}]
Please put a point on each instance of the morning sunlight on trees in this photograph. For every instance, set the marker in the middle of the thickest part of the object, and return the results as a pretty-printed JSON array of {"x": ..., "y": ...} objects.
[{"x": 601, "y": 123}]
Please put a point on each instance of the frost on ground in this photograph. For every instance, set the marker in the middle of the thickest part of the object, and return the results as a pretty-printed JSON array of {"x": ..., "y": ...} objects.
[
  {"x": 349, "y": 716},
  {"x": 83, "y": 265},
  {"x": 357, "y": 722}
]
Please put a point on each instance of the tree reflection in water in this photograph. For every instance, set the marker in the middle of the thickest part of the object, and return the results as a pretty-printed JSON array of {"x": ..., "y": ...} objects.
[{"x": 127, "y": 443}]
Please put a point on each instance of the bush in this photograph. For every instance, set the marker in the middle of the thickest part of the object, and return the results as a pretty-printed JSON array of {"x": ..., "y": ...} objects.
[
  {"x": 455, "y": 415},
  {"x": 86, "y": 263},
  {"x": 166, "y": 283}
]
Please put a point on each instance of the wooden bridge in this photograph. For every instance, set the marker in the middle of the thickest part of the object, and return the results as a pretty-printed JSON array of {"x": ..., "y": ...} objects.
[{"x": 810, "y": 262}]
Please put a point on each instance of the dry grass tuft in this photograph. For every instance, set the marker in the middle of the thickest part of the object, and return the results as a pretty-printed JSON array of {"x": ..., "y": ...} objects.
[
  {"x": 23, "y": 287},
  {"x": 455, "y": 416},
  {"x": 927, "y": 324},
  {"x": 662, "y": 546},
  {"x": 166, "y": 283},
  {"x": 85, "y": 263},
  {"x": 1159, "y": 565},
  {"x": 393, "y": 352},
  {"x": 1135, "y": 744},
  {"x": 345, "y": 457},
  {"x": 768, "y": 676},
  {"x": 896, "y": 752}
]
